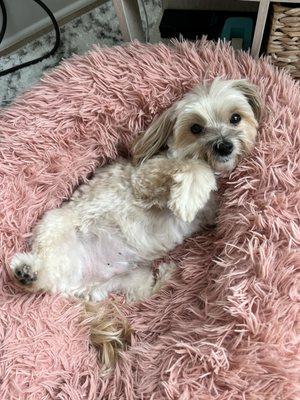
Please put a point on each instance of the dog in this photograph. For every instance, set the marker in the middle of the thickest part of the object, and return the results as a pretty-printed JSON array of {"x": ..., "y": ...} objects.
[{"x": 131, "y": 212}]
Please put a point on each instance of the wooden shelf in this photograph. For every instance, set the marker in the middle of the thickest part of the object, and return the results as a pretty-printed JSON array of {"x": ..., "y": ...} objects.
[{"x": 131, "y": 23}]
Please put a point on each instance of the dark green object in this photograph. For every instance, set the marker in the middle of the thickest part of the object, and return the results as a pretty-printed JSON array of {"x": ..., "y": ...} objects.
[{"x": 238, "y": 27}]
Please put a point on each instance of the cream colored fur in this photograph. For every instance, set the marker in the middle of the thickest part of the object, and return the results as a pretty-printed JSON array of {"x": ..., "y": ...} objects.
[{"x": 104, "y": 239}]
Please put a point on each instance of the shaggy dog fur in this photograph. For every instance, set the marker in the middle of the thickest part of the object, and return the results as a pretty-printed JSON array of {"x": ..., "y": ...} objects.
[{"x": 225, "y": 326}]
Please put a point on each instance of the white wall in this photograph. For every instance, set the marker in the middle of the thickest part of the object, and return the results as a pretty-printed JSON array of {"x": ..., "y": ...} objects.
[{"x": 25, "y": 17}]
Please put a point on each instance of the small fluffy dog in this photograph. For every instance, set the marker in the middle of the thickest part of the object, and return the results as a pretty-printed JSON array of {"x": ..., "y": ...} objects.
[{"x": 106, "y": 237}]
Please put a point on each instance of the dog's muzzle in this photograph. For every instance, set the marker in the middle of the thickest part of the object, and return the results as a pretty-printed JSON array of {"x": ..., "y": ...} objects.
[{"x": 223, "y": 148}]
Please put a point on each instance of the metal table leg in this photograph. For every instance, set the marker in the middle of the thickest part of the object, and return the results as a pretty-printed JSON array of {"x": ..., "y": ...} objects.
[{"x": 129, "y": 17}]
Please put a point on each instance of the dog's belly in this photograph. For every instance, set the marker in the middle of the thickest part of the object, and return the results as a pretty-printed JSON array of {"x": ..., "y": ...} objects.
[{"x": 104, "y": 256}]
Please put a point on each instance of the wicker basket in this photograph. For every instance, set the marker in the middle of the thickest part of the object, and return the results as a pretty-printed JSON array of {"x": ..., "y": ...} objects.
[{"x": 284, "y": 40}]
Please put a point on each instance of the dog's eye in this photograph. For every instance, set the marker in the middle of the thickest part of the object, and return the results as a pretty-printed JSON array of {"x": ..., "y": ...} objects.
[
  {"x": 196, "y": 128},
  {"x": 235, "y": 119}
]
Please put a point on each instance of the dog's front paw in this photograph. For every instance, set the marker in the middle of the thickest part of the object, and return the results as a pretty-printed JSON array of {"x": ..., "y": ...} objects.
[
  {"x": 22, "y": 269},
  {"x": 191, "y": 190}
]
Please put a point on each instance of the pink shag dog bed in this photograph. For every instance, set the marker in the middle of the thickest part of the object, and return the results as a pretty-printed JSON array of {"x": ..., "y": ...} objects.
[{"x": 225, "y": 326}]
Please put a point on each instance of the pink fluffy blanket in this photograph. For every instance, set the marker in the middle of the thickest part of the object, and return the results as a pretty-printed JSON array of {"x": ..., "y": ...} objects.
[{"x": 225, "y": 326}]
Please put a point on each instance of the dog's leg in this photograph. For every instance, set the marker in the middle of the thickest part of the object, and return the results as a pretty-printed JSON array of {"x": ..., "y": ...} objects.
[
  {"x": 140, "y": 283},
  {"x": 165, "y": 272},
  {"x": 137, "y": 284},
  {"x": 151, "y": 182},
  {"x": 193, "y": 185},
  {"x": 52, "y": 264},
  {"x": 183, "y": 186},
  {"x": 24, "y": 268}
]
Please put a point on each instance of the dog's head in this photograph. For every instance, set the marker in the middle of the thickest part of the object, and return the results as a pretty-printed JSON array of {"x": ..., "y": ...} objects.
[{"x": 217, "y": 123}]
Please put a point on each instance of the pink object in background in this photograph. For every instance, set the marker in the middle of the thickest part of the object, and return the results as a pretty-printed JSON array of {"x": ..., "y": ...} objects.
[{"x": 225, "y": 326}]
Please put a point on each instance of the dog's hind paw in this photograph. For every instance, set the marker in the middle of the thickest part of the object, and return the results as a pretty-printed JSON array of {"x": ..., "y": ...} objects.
[
  {"x": 22, "y": 269},
  {"x": 165, "y": 272},
  {"x": 25, "y": 275}
]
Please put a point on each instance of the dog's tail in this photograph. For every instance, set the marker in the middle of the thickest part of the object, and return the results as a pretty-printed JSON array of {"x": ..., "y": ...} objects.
[{"x": 109, "y": 330}]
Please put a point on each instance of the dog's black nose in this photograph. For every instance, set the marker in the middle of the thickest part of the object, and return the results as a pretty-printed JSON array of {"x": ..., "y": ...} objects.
[{"x": 223, "y": 148}]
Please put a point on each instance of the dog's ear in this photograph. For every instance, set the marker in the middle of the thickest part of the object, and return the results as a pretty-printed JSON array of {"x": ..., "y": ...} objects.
[
  {"x": 250, "y": 91},
  {"x": 155, "y": 137}
]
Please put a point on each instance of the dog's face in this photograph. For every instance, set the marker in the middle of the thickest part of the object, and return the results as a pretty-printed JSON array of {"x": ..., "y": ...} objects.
[{"x": 217, "y": 123}]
